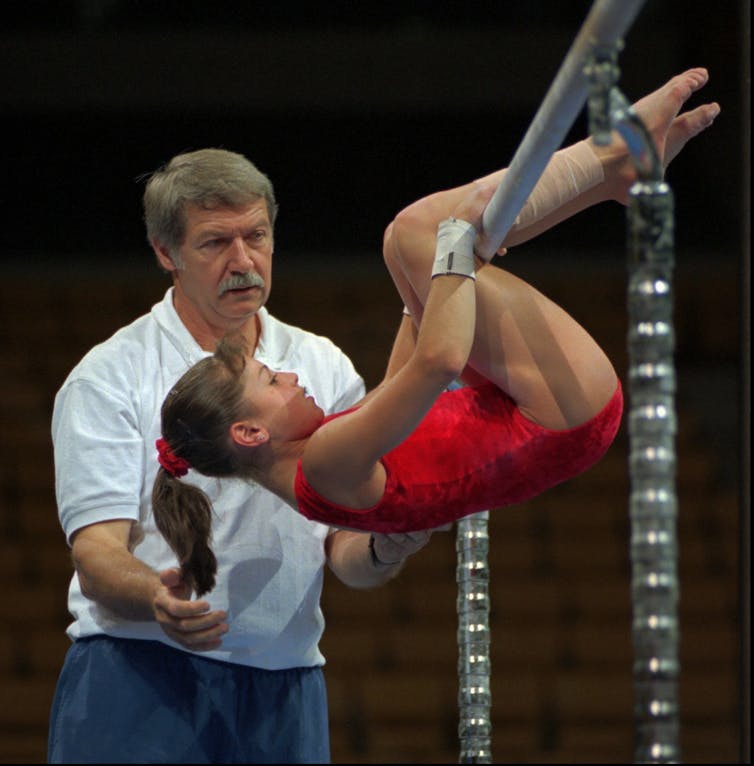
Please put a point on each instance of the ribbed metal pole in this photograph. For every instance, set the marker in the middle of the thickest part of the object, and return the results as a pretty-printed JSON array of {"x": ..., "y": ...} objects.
[
  {"x": 474, "y": 694},
  {"x": 653, "y": 502},
  {"x": 651, "y": 421}
]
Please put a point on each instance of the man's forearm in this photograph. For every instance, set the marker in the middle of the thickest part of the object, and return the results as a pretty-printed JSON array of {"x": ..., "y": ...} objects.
[
  {"x": 116, "y": 579},
  {"x": 352, "y": 561}
]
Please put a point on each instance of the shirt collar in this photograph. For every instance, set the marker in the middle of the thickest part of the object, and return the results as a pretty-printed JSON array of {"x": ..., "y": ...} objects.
[{"x": 184, "y": 342}]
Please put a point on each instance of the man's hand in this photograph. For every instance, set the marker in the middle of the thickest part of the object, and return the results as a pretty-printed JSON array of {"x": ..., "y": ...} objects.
[{"x": 189, "y": 623}]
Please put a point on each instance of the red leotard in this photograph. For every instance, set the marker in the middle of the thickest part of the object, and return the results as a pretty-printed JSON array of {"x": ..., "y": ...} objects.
[{"x": 473, "y": 451}]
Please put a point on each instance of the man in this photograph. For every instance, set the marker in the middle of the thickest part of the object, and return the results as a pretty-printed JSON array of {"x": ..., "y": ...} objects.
[{"x": 153, "y": 676}]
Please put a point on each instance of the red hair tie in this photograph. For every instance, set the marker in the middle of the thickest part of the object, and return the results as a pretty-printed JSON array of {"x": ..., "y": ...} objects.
[{"x": 174, "y": 465}]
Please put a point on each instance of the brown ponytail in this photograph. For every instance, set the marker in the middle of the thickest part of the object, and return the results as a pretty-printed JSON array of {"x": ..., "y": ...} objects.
[{"x": 183, "y": 515}]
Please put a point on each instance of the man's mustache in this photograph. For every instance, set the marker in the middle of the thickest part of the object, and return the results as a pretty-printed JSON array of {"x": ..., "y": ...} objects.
[{"x": 240, "y": 281}]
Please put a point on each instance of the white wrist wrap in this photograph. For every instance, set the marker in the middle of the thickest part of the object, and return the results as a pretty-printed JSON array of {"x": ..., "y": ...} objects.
[{"x": 454, "y": 253}]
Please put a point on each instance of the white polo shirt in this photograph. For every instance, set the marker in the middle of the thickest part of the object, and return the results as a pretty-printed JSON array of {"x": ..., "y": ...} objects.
[{"x": 105, "y": 422}]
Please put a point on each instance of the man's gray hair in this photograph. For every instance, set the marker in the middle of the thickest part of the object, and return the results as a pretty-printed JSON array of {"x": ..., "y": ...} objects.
[{"x": 208, "y": 178}]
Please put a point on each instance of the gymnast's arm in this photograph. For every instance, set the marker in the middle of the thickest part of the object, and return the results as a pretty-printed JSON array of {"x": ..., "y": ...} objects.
[
  {"x": 403, "y": 345},
  {"x": 353, "y": 562},
  {"x": 341, "y": 459}
]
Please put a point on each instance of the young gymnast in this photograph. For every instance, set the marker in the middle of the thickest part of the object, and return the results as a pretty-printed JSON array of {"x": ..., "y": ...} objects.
[{"x": 542, "y": 403}]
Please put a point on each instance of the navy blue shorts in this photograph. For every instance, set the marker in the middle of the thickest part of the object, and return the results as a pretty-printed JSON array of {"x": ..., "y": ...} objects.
[{"x": 131, "y": 701}]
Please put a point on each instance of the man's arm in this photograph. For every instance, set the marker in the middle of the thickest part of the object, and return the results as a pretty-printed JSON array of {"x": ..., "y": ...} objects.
[{"x": 112, "y": 576}]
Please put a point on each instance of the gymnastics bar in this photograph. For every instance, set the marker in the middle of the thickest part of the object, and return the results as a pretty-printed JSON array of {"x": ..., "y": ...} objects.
[{"x": 603, "y": 29}]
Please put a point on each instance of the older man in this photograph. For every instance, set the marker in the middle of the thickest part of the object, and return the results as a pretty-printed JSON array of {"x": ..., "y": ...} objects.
[{"x": 152, "y": 676}]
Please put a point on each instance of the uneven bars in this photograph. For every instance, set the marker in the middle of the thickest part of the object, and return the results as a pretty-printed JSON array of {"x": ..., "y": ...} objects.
[{"x": 604, "y": 26}]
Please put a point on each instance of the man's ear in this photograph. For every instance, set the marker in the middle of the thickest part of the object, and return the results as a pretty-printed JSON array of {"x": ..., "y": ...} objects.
[
  {"x": 163, "y": 256},
  {"x": 246, "y": 434}
]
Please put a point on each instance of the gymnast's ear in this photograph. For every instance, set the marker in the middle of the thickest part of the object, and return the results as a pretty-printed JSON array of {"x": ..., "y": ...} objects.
[{"x": 245, "y": 434}]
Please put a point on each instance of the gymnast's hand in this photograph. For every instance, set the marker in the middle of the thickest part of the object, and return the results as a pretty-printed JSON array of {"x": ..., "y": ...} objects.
[
  {"x": 471, "y": 209},
  {"x": 189, "y": 623},
  {"x": 395, "y": 548}
]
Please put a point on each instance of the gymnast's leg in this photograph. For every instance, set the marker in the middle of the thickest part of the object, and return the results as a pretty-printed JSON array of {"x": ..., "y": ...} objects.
[{"x": 524, "y": 343}]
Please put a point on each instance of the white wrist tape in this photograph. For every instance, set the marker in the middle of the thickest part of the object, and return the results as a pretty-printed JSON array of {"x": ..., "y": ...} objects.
[{"x": 454, "y": 253}]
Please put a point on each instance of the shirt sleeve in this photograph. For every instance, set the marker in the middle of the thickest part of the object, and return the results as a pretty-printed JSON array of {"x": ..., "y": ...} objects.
[
  {"x": 351, "y": 388},
  {"x": 98, "y": 455}
]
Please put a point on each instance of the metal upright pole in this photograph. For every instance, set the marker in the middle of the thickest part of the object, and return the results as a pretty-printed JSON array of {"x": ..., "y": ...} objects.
[
  {"x": 653, "y": 501},
  {"x": 474, "y": 694},
  {"x": 652, "y": 427}
]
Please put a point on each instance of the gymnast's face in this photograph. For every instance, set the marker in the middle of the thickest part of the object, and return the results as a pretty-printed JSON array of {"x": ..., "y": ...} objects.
[
  {"x": 223, "y": 270},
  {"x": 282, "y": 408}
]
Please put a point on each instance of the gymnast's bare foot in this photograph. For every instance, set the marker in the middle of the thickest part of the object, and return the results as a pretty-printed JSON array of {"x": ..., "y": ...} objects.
[{"x": 659, "y": 111}]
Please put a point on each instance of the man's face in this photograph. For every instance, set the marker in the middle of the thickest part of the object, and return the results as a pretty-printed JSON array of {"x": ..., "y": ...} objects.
[{"x": 225, "y": 268}]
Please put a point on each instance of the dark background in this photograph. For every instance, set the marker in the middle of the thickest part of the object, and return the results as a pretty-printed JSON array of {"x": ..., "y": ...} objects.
[{"x": 352, "y": 108}]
